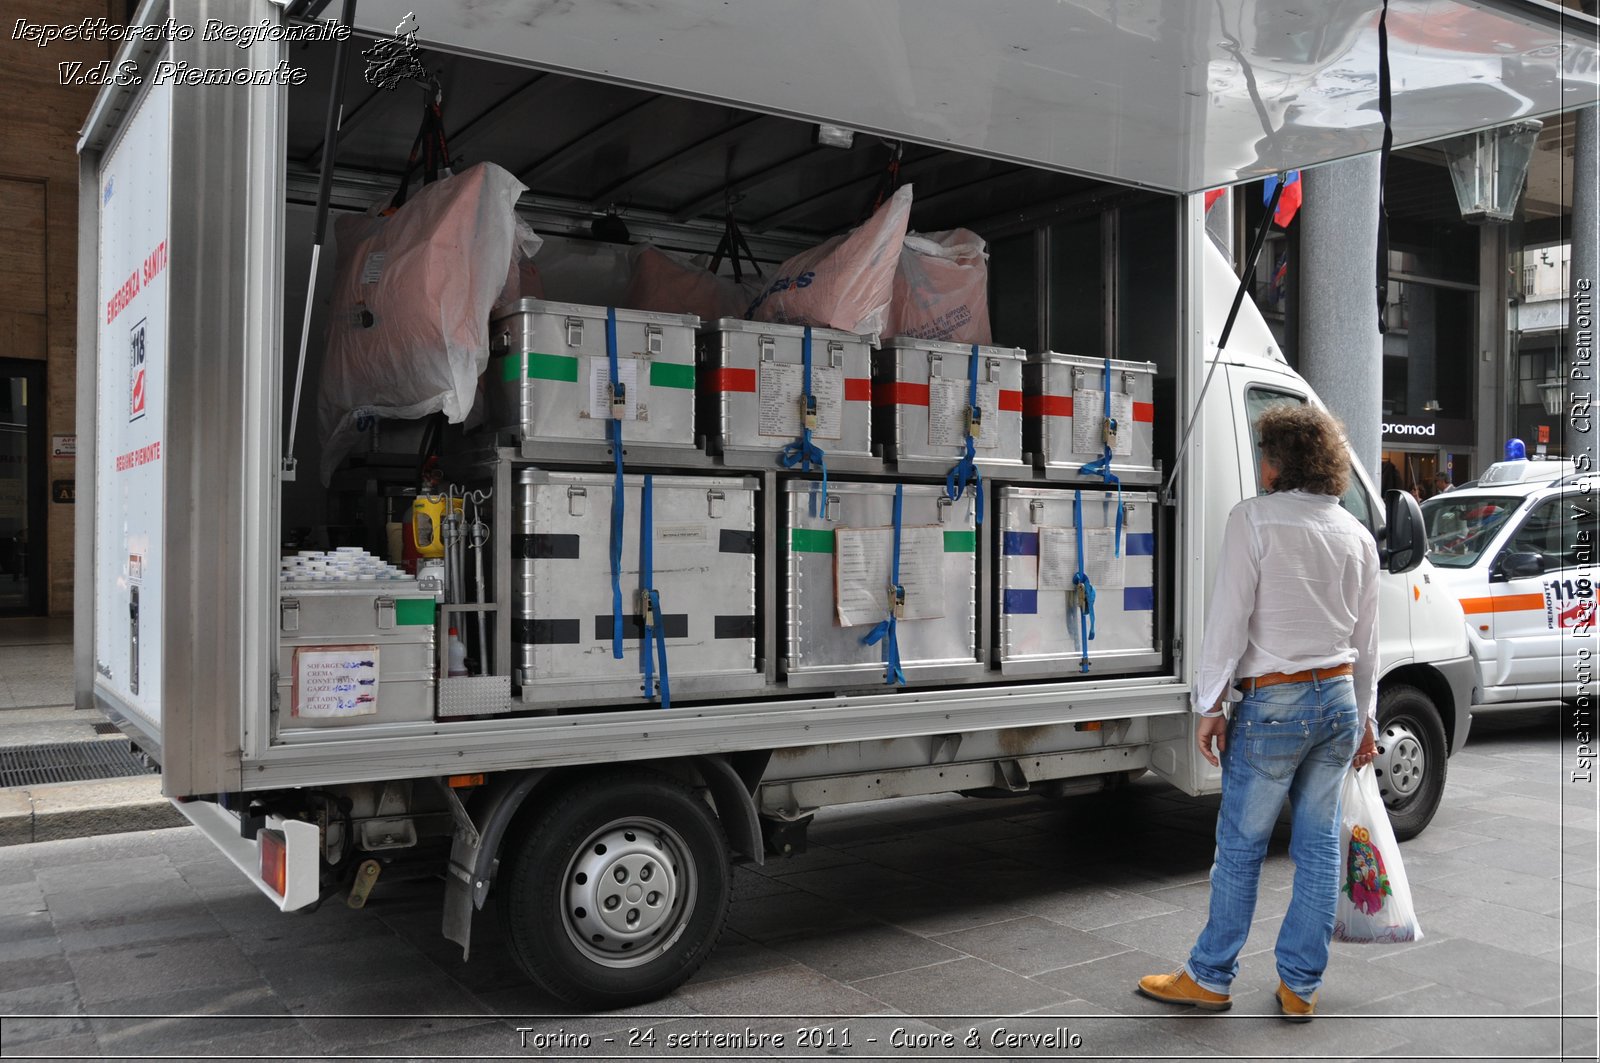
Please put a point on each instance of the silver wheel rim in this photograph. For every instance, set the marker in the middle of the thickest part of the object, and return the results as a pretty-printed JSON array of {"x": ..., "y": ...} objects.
[
  {"x": 628, "y": 892},
  {"x": 1402, "y": 762}
]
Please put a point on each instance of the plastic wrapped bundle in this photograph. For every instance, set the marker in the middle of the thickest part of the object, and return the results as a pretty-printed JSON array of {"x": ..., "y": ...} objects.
[
  {"x": 941, "y": 288},
  {"x": 408, "y": 324},
  {"x": 663, "y": 283},
  {"x": 843, "y": 283}
]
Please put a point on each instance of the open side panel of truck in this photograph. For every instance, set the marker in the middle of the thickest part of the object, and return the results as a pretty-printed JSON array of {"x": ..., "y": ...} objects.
[{"x": 180, "y": 237}]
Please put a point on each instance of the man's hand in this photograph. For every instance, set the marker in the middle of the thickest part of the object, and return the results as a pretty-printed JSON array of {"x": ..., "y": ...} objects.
[
  {"x": 1367, "y": 750},
  {"x": 1207, "y": 728}
]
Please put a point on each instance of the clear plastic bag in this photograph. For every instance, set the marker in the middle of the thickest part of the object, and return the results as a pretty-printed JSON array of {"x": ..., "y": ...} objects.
[
  {"x": 408, "y": 323},
  {"x": 1374, "y": 904},
  {"x": 665, "y": 283}
]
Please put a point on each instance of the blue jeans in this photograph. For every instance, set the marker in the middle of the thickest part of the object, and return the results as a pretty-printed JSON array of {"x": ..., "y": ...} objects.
[{"x": 1294, "y": 741}]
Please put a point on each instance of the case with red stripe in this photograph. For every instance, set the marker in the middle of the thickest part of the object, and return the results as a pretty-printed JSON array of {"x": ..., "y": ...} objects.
[
  {"x": 738, "y": 358},
  {"x": 920, "y": 393},
  {"x": 1063, "y": 439}
]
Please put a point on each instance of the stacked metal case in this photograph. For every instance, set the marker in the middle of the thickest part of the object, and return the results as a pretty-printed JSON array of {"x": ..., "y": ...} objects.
[
  {"x": 1042, "y": 623},
  {"x": 837, "y": 554},
  {"x": 1065, "y": 402},
  {"x": 923, "y": 408},
  {"x": 549, "y": 378},
  {"x": 354, "y": 652},
  {"x": 703, "y": 566},
  {"x": 753, "y": 385}
]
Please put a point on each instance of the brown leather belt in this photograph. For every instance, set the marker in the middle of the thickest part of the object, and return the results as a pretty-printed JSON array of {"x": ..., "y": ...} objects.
[{"x": 1272, "y": 679}]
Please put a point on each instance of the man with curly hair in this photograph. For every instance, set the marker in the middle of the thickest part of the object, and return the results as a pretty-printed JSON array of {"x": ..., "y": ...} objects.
[{"x": 1293, "y": 629}]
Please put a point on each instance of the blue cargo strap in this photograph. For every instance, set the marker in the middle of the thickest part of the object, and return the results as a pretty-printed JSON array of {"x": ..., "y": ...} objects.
[
  {"x": 614, "y": 429},
  {"x": 1101, "y": 467},
  {"x": 803, "y": 452},
  {"x": 884, "y": 630},
  {"x": 650, "y": 617},
  {"x": 966, "y": 470},
  {"x": 1082, "y": 598}
]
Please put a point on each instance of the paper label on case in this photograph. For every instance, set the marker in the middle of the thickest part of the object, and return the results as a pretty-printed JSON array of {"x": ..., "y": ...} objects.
[
  {"x": 779, "y": 388},
  {"x": 599, "y": 406},
  {"x": 1058, "y": 559},
  {"x": 947, "y": 409},
  {"x": 862, "y": 562},
  {"x": 335, "y": 681},
  {"x": 373, "y": 268},
  {"x": 1088, "y": 415}
]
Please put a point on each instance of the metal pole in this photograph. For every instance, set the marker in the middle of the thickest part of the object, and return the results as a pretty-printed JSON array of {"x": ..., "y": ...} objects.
[
  {"x": 330, "y": 136},
  {"x": 1227, "y": 329}
]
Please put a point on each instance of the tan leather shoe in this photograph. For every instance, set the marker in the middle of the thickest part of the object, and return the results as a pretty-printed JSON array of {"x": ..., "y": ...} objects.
[
  {"x": 1179, "y": 988},
  {"x": 1294, "y": 1007}
]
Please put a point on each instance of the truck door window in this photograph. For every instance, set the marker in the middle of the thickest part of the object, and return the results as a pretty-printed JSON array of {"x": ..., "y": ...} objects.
[{"x": 1256, "y": 402}]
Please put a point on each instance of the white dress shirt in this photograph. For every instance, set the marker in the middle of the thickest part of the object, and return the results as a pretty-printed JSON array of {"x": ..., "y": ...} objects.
[{"x": 1296, "y": 588}]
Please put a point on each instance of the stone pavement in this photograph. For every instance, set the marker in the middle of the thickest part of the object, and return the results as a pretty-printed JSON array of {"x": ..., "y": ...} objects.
[
  {"x": 36, "y": 709},
  {"x": 931, "y": 916}
]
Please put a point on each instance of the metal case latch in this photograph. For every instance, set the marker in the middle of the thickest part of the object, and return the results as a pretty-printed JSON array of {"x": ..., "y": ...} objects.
[
  {"x": 767, "y": 346},
  {"x": 830, "y": 509},
  {"x": 652, "y": 339},
  {"x": 577, "y": 501},
  {"x": 943, "y": 508},
  {"x": 1036, "y": 512},
  {"x": 385, "y": 608},
  {"x": 289, "y": 614},
  {"x": 715, "y": 503},
  {"x": 574, "y": 332},
  {"x": 835, "y": 353}
]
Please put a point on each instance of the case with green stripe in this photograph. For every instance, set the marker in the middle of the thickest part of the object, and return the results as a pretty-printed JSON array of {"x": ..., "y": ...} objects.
[
  {"x": 394, "y": 616},
  {"x": 818, "y": 652},
  {"x": 544, "y": 358}
]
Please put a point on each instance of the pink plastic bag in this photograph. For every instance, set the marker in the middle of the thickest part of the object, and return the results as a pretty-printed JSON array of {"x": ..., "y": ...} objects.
[
  {"x": 408, "y": 321},
  {"x": 941, "y": 288},
  {"x": 665, "y": 284},
  {"x": 844, "y": 283}
]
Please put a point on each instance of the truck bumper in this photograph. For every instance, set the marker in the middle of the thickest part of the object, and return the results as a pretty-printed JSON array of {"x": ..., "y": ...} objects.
[
  {"x": 1461, "y": 674},
  {"x": 288, "y": 875}
]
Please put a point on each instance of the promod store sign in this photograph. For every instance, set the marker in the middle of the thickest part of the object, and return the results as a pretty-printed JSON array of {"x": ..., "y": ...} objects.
[{"x": 1438, "y": 432}]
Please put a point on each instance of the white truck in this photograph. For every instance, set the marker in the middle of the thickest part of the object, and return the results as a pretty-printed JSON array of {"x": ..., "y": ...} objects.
[{"x": 606, "y": 826}]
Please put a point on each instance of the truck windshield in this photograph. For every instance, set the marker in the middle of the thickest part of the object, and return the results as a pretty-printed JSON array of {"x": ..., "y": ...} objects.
[{"x": 1461, "y": 529}]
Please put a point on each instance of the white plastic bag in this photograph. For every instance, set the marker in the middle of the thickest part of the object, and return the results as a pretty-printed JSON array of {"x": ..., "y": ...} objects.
[
  {"x": 408, "y": 324},
  {"x": 1374, "y": 897},
  {"x": 843, "y": 283},
  {"x": 941, "y": 288}
]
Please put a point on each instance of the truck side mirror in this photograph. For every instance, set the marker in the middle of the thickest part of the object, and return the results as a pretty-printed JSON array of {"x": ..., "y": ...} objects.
[
  {"x": 1519, "y": 565},
  {"x": 1404, "y": 542}
]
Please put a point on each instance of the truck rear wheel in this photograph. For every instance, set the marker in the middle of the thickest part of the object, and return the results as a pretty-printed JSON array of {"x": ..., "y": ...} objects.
[
  {"x": 1411, "y": 762},
  {"x": 618, "y": 891}
]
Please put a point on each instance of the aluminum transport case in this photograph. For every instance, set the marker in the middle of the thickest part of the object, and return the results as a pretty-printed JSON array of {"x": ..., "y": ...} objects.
[
  {"x": 703, "y": 565},
  {"x": 1037, "y": 634},
  {"x": 920, "y": 390},
  {"x": 549, "y": 379},
  {"x": 354, "y": 652},
  {"x": 752, "y": 383},
  {"x": 1063, "y": 410},
  {"x": 837, "y": 566}
]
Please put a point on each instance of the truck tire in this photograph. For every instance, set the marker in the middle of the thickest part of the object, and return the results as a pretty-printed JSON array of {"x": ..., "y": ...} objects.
[
  {"x": 1412, "y": 761},
  {"x": 617, "y": 891}
]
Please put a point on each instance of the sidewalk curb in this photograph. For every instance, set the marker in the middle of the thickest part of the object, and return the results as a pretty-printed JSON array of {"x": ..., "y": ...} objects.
[{"x": 84, "y": 809}]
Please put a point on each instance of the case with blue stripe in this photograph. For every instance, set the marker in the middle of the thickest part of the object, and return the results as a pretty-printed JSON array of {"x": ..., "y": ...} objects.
[{"x": 1036, "y": 634}]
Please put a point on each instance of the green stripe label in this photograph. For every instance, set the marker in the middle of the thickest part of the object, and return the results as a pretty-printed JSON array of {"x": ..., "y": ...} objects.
[
  {"x": 811, "y": 540},
  {"x": 538, "y": 366},
  {"x": 672, "y": 374},
  {"x": 413, "y": 612},
  {"x": 960, "y": 542}
]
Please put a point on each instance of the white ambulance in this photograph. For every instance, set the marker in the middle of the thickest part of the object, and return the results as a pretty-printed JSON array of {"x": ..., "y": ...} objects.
[{"x": 1517, "y": 549}]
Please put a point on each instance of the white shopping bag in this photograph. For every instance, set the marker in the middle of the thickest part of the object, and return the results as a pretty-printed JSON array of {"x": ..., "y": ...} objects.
[{"x": 1374, "y": 897}]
